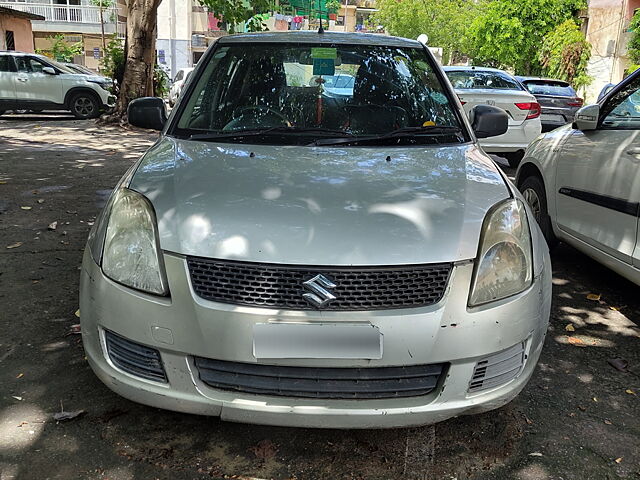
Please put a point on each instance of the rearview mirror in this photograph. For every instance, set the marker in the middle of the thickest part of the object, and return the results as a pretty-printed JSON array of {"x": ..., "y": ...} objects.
[
  {"x": 49, "y": 70},
  {"x": 147, "y": 112},
  {"x": 488, "y": 121},
  {"x": 587, "y": 118}
]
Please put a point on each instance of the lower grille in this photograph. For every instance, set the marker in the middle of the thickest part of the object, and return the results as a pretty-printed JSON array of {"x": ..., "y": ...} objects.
[
  {"x": 281, "y": 286},
  {"x": 498, "y": 369},
  {"x": 133, "y": 358},
  {"x": 332, "y": 383}
]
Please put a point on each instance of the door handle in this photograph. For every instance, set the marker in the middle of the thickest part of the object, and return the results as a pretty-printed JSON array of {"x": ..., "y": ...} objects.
[{"x": 22, "y": 79}]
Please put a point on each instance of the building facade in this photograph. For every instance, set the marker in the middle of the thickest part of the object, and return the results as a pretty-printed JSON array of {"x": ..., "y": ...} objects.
[
  {"x": 606, "y": 26},
  {"x": 15, "y": 30}
]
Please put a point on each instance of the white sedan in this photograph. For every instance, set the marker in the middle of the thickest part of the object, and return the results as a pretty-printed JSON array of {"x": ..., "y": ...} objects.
[
  {"x": 582, "y": 181},
  {"x": 178, "y": 83},
  {"x": 489, "y": 86}
]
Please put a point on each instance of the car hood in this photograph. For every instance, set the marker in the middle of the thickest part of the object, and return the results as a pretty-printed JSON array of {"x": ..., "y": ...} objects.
[{"x": 319, "y": 205}]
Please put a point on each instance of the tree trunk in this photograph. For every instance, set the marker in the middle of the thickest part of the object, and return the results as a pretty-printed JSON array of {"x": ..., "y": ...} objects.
[
  {"x": 140, "y": 51},
  {"x": 104, "y": 45}
]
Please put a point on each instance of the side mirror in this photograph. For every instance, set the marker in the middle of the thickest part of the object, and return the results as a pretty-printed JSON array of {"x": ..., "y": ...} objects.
[
  {"x": 147, "y": 112},
  {"x": 49, "y": 70},
  {"x": 488, "y": 121},
  {"x": 587, "y": 118}
]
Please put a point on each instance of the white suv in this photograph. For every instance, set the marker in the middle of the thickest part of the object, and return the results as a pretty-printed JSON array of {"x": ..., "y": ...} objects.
[{"x": 35, "y": 82}]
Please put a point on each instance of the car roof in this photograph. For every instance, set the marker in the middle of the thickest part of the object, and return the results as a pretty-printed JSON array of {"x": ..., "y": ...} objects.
[
  {"x": 14, "y": 52},
  {"x": 472, "y": 68},
  {"x": 542, "y": 79},
  {"x": 315, "y": 37}
]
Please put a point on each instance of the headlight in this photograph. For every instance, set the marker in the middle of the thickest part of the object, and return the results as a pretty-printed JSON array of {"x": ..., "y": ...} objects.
[
  {"x": 131, "y": 254},
  {"x": 504, "y": 265}
]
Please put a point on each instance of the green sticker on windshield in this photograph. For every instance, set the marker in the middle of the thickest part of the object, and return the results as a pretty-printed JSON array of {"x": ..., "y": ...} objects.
[
  {"x": 324, "y": 66},
  {"x": 324, "y": 52}
]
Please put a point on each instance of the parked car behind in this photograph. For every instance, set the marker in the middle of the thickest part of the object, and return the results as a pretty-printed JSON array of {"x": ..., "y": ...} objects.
[
  {"x": 489, "y": 86},
  {"x": 35, "y": 82},
  {"x": 583, "y": 183},
  {"x": 178, "y": 82},
  {"x": 78, "y": 68},
  {"x": 558, "y": 100},
  {"x": 283, "y": 257}
]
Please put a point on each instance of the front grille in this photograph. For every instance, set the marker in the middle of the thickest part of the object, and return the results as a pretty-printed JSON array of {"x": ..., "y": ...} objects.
[
  {"x": 333, "y": 383},
  {"x": 280, "y": 286},
  {"x": 498, "y": 369},
  {"x": 134, "y": 358}
]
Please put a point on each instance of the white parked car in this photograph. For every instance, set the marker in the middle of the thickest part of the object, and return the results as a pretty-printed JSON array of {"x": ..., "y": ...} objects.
[
  {"x": 35, "y": 82},
  {"x": 178, "y": 82},
  {"x": 582, "y": 181},
  {"x": 284, "y": 257},
  {"x": 489, "y": 86}
]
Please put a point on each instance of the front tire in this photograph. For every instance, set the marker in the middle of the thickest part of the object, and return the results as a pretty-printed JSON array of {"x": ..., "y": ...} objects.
[
  {"x": 84, "y": 106},
  {"x": 534, "y": 193}
]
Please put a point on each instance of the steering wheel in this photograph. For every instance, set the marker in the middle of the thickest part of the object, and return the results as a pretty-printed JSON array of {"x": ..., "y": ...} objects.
[{"x": 240, "y": 119}]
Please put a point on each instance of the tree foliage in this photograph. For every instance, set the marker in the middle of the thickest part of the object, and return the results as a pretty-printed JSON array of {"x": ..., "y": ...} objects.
[
  {"x": 445, "y": 22},
  {"x": 509, "y": 33},
  {"x": 234, "y": 12},
  {"x": 633, "y": 47},
  {"x": 113, "y": 60},
  {"x": 565, "y": 53},
  {"x": 63, "y": 51}
]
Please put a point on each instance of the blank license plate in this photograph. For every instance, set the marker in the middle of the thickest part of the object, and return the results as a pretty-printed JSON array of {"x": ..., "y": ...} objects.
[
  {"x": 326, "y": 340},
  {"x": 552, "y": 118}
]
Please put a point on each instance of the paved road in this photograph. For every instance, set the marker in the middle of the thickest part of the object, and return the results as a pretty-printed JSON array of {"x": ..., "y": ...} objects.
[{"x": 575, "y": 420}]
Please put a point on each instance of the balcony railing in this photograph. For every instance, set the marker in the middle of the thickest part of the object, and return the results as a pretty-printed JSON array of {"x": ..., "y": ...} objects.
[{"x": 65, "y": 13}]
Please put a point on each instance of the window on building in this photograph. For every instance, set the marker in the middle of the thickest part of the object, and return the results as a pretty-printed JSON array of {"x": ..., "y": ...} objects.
[{"x": 10, "y": 40}]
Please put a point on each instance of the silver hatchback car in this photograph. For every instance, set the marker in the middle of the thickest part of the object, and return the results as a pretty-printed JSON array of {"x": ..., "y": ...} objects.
[{"x": 282, "y": 256}]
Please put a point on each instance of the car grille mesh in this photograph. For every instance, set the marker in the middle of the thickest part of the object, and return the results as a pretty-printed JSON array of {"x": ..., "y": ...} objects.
[
  {"x": 134, "y": 358},
  {"x": 330, "y": 383},
  {"x": 498, "y": 369},
  {"x": 280, "y": 286}
]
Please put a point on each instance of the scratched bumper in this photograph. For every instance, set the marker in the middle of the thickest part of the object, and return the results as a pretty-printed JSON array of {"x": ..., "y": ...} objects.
[{"x": 448, "y": 333}]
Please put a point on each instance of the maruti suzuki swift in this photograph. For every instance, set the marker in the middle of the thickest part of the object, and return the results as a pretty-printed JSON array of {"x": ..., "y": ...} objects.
[{"x": 286, "y": 256}]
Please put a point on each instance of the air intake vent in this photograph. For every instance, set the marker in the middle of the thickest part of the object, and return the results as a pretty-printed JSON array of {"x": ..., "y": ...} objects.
[
  {"x": 497, "y": 369},
  {"x": 334, "y": 383},
  {"x": 134, "y": 358}
]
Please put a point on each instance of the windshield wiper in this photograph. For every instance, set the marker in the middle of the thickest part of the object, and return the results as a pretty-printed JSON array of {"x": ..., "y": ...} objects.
[
  {"x": 405, "y": 132},
  {"x": 253, "y": 132}
]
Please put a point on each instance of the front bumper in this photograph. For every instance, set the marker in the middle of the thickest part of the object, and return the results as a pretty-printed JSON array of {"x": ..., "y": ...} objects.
[
  {"x": 518, "y": 137},
  {"x": 186, "y": 326}
]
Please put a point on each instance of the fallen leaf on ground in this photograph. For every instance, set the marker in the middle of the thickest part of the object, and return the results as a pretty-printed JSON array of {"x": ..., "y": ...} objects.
[
  {"x": 595, "y": 399},
  {"x": 535, "y": 454},
  {"x": 53, "y": 225},
  {"x": 575, "y": 341},
  {"x": 581, "y": 408},
  {"x": 619, "y": 364},
  {"x": 41, "y": 200},
  {"x": 629, "y": 391},
  {"x": 62, "y": 416},
  {"x": 593, "y": 296},
  {"x": 74, "y": 330},
  {"x": 20, "y": 375},
  {"x": 615, "y": 309},
  {"x": 608, "y": 422},
  {"x": 14, "y": 245},
  {"x": 26, "y": 208},
  {"x": 619, "y": 459},
  {"x": 17, "y": 398},
  {"x": 570, "y": 328}
]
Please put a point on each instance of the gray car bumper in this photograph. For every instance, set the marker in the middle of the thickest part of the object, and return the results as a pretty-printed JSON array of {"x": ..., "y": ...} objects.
[{"x": 448, "y": 333}]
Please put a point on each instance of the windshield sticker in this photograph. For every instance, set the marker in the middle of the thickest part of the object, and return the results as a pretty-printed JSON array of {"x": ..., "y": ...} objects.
[
  {"x": 324, "y": 66},
  {"x": 324, "y": 52}
]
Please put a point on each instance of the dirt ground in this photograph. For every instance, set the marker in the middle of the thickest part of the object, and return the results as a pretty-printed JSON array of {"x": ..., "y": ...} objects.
[{"x": 579, "y": 418}]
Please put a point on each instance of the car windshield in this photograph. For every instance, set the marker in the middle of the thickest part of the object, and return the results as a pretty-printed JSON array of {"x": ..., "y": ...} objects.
[
  {"x": 295, "y": 94},
  {"x": 559, "y": 89},
  {"x": 481, "y": 79},
  {"x": 58, "y": 65}
]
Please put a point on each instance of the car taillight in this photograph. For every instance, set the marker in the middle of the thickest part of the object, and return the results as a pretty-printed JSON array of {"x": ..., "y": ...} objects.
[
  {"x": 533, "y": 107},
  {"x": 462, "y": 103},
  {"x": 576, "y": 102}
]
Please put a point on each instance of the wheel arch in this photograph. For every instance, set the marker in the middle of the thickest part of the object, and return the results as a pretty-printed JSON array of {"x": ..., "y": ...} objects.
[
  {"x": 528, "y": 169},
  {"x": 75, "y": 90}
]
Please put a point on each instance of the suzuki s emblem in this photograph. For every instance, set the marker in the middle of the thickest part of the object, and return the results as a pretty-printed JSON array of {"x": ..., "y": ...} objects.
[{"x": 320, "y": 296}]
